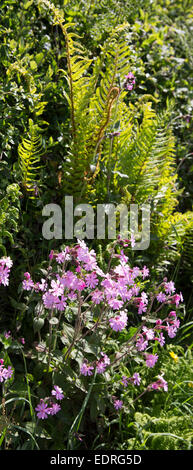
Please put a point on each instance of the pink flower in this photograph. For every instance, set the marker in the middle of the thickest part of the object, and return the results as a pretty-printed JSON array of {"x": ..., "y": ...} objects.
[
  {"x": 132, "y": 239},
  {"x": 122, "y": 257},
  {"x": 56, "y": 288},
  {"x": 129, "y": 81},
  {"x": 169, "y": 287},
  {"x": 144, "y": 298},
  {"x": 27, "y": 275},
  {"x": 151, "y": 359},
  {"x": 174, "y": 321},
  {"x": 57, "y": 392},
  {"x": 4, "y": 274},
  {"x": 100, "y": 367},
  {"x": 149, "y": 333},
  {"x": 124, "y": 381},
  {"x": 177, "y": 298},
  {"x": 22, "y": 340},
  {"x": 60, "y": 304},
  {"x": 145, "y": 272},
  {"x": 88, "y": 258},
  {"x": 160, "y": 383},
  {"x": 60, "y": 258},
  {"x": 2, "y": 374},
  {"x": 7, "y": 334},
  {"x": 160, "y": 339},
  {"x": 136, "y": 379},
  {"x": 171, "y": 330},
  {"x": 141, "y": 344},
  {"x": 161, "y": 297},
  {"x": 27, "y": 284},
  {"x": 119, "y": 322},
  {"x": 54, "y": 409},
  {"x": 42, "y": 410},
  {"x": 142, "y": 308},
  {"x": 8, "y": 372},
  {"x": 6, "y": 261},
  {"x": 115, "y": 304},
  {"x": 42, "y": 286},
  {"x": 51, "y": 255},
  {"x": 135, "y": 272},
  {"x": 5, "y": 373},
  {"x": 97, "y": 296},
  {"x": 86, "y": 369},
  {"x": 91, "y": 280},
  {"x": 49, "y": 300},
  {"x": 118, "y": 404},
  {"x": 102, "y": 363}
]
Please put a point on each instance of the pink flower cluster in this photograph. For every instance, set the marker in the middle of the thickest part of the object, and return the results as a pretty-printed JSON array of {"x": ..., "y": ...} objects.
[
  {"x": 159, "y": 384},
  {"x": 5, "y": 264},
  {"x": 44, "y": 409},
  {"x": 129, "y": 81},
  {"x": 101, "y": 365},
  {"x": 5, "y": 372},
  {"x": 78, "y": 278}
]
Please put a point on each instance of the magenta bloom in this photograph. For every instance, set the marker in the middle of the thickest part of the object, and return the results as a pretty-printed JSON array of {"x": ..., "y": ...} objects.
[
  {"x": 6, "y": 261},
  {"x": 54, "y": 409},
  {"x": 4, "y": 274},
  {"x": 145, "y": 272},
  {"x": 49, "y": 300},
  {"x": 115, "y": 304},
  {"x": 177, "y": 298},
  {"x": 160, "y": 383},
  {"x": 27, "y": 284},
  {"x": 118, "y": 404},
  {"x": 160, "y": 339},
  {"x": 102, "y": 363},
  {"x": 141, "y": 343},
  {"x": 57, "y": 392},
  {"x": 151, "y": 359},
  {"x": 86, "y": 369},
  {"x": 142, "y": 308},
  {"x": 42, "y": 410},
  {"x": 171, "y": 330},
  {"x": 5, "y": 373},
  {"x": 124, "y": 381},
  {"x": 91, "y": 280},
  {"x": 60, "y": 258},
  {"x": 136, "y": 378},
  {"x": 161, "y": 297},
  {"x": 119, "y": 322},
  {"x": 7, "y": 334},
  {"x": 132, "y": 240},
  {"x": 169, "y": 287},
  {"x": 97, "y": 296},
  {"x": 129, "y": 81},
  {"x": 149, "y": 333},
  {"x": 8, "y": 372}
]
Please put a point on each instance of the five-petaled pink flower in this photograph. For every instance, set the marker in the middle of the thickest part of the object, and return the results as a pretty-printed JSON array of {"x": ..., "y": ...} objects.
[
  {"x": 151, "y": 359},
  {"x": 119, "y": 322},
  {"x": 118, "y": 404},
  {"x": 42, "y": 410},
  {"x": 57, "y": 392},
  {"x": 86, "y": 369}
]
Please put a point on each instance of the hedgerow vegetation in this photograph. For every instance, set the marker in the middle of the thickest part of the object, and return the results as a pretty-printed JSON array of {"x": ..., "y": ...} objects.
[{"x": 96, "y": 102}]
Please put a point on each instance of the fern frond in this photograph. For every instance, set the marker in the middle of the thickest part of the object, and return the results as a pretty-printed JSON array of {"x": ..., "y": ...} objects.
[{"x": 30, "y": 151}]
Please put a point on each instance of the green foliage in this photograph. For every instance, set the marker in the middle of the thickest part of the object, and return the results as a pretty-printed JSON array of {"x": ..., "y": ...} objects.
[
  {"x": 9, "y": 214},
  {"x": 159, "y": 420},
  {"x": 63, "y": 65},
  {"x": 30, "y": 151}
]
